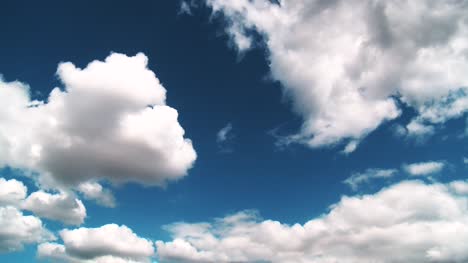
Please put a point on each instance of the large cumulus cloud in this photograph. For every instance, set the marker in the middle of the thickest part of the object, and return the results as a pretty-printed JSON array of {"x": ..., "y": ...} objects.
[
  {"x": 407, "y": 222},
  {"x": 110, "y": 121},
  {"x": 344, "y": 63}
]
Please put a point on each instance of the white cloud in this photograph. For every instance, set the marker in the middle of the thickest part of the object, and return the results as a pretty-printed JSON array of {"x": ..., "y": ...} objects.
[
  {"x": 17, "y": 230},
  {"x": 109, "y": 243},
  {"x": 63, "y": 207},
  {"x": 424, "y": 168},
  {"x": 343, "y": 62},
  {"x": 110, "y": 122},
  {"x": 357, "y": 179},
  {"x": 95, "y": 191},
  {"x": 12, "y": 192},
  {"x": 407, "y": 222}
]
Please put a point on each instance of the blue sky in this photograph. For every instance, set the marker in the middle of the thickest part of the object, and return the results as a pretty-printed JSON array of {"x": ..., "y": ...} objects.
[{"x": 279, "y": 105}]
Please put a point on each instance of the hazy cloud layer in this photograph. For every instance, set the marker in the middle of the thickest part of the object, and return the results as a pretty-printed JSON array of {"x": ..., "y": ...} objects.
[{"x": 343, "y": 63}]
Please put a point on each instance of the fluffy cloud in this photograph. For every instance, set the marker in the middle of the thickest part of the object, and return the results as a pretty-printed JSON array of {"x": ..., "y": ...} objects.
[
  {"x": 62, "y": 207},
  {"x": 17, "y": 230},
  {"x": 422, "y": 222},
  {"x": 12, "y": 192},
  {"x": 109, "y": 122},
  {"x": 109, "y": 243},
  {"x": 343, "y": 63},
  {"x": 359, "y": 178},
  {"x": 94, "y": 191},
  {"x": 424, "y": 168}
]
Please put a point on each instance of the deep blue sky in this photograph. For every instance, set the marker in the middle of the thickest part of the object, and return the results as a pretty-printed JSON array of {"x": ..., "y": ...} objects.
[{"x": 210, "y": 85}]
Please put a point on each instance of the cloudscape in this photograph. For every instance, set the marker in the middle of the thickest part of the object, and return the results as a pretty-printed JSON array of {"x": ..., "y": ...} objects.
[{"x": 219, "y": 131}]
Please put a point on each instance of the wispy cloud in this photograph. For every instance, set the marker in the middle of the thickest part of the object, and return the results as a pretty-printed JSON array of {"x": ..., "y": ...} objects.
[
  {"x": 357, "y": 179},
  {"x": 224, "y": 138}
]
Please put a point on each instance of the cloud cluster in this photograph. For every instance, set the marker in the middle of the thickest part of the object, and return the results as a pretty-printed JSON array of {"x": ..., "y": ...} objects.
[
  {"x": 109, "y": 243},
  {"x": 407, "y": 222},
  {"x": 109, "y": 122},
  {"x": 345, "y": 64},
  {"x": 16, "y": 228}
]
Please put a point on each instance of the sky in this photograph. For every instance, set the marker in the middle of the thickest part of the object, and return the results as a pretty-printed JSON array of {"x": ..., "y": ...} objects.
[{"x": 233, "y": 131}]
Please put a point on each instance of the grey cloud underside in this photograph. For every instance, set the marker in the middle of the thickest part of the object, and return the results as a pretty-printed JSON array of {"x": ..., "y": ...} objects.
[{"x": 343, "y": 63}]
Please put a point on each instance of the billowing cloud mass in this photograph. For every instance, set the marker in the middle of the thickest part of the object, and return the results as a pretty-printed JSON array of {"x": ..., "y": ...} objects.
[
  {"x": 357, "y": 179},
  {"x": 12, "y": 192},
  {"x": 424, "y": 168},
  {"x": 109, "y": 122},
  {"x": 63, "y": 207},
  {"x": 407, "y": 222},
  {"x": 18, "y": 230},
  {"x": 345, "y": 63},
  {"x": 109, "y": 243}
]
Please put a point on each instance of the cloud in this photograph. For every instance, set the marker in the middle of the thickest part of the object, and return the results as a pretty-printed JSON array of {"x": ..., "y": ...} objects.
[
  {"x": 110, "y": 122},
  {"x": 17, "y": 230},
  {"x": 422, "y": 222},
  {"x": 63, "y": 207},
  {"x": 424, "y": 168},
  {"x": 357, "y": 179},
  {"x": 12, "y": 192},
  {"x": 108, "y": 243},
  {"x": 94, "y": 191},
  {"x": 345, "y": 64},
  {"x": 224, "y": 138}
]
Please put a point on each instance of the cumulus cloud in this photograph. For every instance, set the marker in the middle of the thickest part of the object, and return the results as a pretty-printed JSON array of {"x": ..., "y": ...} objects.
[
  {"x": 424, "y": 168},
  {"x": 109, "y": 243},
  {"x": 345, "y": 63},
  {"x": 109, "y": 122},
  {"x": 422, "y": 222},
  {"x": 17, "y": 230},
  {"x": 12, "y": 192},
  {"x": 357, "y": 179},
  {"x": 63, "y": 207},
  {"x": 224, "y": 138},
  {"x": 95, "y": 191}
]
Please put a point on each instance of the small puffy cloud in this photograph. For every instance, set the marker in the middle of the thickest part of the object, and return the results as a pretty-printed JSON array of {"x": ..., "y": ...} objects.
[
  {"x": 63, "y": 207},
  {"x": 423, "y": 222},
  {"x": 109, "y": 122},
  {"x": 224, "y": 137},
  {"x": 109, "y": 243},
  {"x": 346, "y": 63},
  {"x": 357, "y": 179},
  {"x": 460, "y": 187},
  {"x": 95, "y": 191},
  {"x": 17, "y": 230},
  {"x": 12, "y": 192},
  {"x": 424, "y": 168}
]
